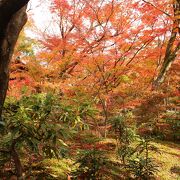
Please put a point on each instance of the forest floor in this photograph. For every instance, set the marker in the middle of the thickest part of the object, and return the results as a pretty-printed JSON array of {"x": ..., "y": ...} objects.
[{"x": 167, "y": 158}]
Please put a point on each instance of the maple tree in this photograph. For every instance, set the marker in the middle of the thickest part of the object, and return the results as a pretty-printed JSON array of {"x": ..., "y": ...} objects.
[
  {"x": 87, "y": 30},
  {"x": 104, "y": 48}
]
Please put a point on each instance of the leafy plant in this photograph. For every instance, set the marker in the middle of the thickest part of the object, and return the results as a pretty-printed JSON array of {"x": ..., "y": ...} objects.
[
  {"x": 30, "y": 128},
  {"x": 91, "y": 164},
  {"x": 125, "y": 136},
  {"x": 75, "y": 111},
  {"x": 140, "y": 164},
  {"x": 135, "y": 158},
  {"x": 124, "y": 133},
  {"x": 142, "y": 168}
]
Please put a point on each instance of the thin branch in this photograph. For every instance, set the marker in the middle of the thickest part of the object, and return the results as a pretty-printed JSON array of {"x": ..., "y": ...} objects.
[{"x": 157, "y": 8}]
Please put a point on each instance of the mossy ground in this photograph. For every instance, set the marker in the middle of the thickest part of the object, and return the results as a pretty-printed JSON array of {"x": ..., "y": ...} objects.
[{"x": 168, "y": 160}]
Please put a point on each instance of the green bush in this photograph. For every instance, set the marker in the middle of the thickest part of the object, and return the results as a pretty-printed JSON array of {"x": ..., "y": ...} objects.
[
  {"x": 91, "y": 164},
  {"x": 30, "y": 129},
  {"x": 140, "y": 164}
]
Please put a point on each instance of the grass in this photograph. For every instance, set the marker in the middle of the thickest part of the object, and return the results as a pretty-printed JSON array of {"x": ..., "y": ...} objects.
[
  {"x": 59, "y": 168},
  {"x": 168, "y": 159}
]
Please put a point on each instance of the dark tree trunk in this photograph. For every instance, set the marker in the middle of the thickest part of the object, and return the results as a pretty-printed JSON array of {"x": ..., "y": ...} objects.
[
  {"x": 171, "y": 49},
  {"x": 16, "y": 159},
  {"x": 12, "y": 19}
]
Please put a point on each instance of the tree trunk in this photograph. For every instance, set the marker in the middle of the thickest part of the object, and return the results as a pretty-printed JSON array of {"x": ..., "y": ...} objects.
[
  {"x": 172, "y": 49},
  {"x": 12, "y": 19},
  {"x": 16, "y": 159}
]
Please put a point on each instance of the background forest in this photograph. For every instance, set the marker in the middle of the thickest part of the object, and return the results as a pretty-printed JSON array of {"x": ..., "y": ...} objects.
[{"x": 96, "y": 94}]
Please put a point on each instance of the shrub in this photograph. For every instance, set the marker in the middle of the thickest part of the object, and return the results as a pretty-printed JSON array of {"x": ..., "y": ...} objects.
[
  {"x": 30, "y": 129},
  {"x": 91, "y": 164},
  {"x": 140, "y": 164}
]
